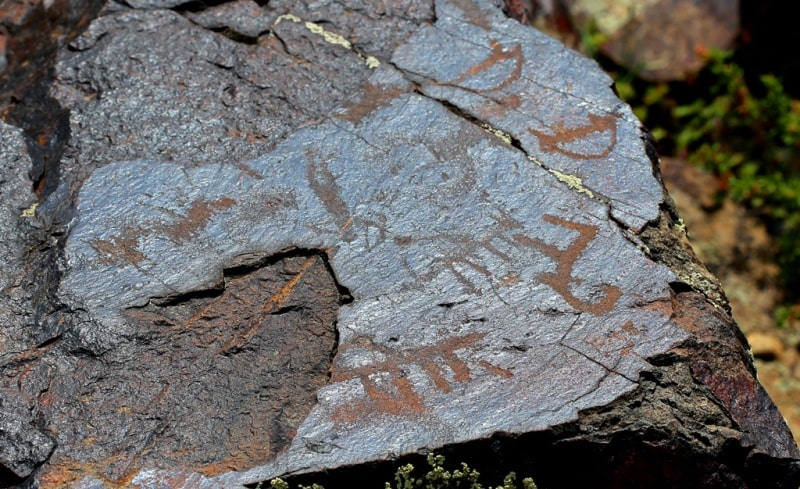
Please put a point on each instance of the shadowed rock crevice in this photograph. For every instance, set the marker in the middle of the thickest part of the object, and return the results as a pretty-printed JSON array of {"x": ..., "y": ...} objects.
[{"x": 35, "y": 33}]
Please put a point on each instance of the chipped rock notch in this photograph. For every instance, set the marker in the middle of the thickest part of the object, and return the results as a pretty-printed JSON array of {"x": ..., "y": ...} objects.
[{"x": 296, "y": 238}]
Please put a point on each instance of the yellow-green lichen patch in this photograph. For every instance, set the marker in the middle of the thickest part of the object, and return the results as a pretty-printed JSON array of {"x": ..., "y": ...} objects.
[
  {"x": 497, "y": 132},
  {"x": 289, "y": 17},
  {"x": 372, "y": 62},
  {"x": 571, "y": 181},
  {"x": 330, "y": 37},
  {"x": 30, "y": 211}
]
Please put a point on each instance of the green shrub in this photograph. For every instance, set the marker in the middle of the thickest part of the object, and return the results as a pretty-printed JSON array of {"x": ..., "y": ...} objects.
[
  {"x": 437, "y": 477},
  {"x": 749, "y": 138},
  {"x": 753, "y": 144},
  {"x": 440, "y": 478}
]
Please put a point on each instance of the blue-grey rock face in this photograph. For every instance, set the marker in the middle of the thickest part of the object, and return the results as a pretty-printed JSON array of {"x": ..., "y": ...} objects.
[{"x": 495, "y": 284}]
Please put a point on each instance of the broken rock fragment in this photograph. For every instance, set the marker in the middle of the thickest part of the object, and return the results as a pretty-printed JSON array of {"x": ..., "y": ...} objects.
[{"x": 460, "y": 244}]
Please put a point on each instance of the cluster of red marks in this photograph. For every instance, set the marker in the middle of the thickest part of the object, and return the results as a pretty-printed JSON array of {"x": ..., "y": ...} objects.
[
  {"x": 386, "y": 383},
  {"x": 323, "y": 183},
  {"x": 561, "y": 278},
  {"x": 118, "y": 250},
  {"x": 66, "y": 473},
  {"x": 373, "y": 98},
  {"x": 464, "y": 255},
  {"x": 499, "y": 54},
  {"x": 124, "y": 249},
  {"x": 197, "y": 216},
  {"x": 557, "y": 139},
  {"x": 597, "y": 124}
]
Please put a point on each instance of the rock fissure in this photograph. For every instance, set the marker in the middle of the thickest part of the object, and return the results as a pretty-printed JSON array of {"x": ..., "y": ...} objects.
[
  {"x": 571, "y": 181},
  {"x": 611, "y": 369}
]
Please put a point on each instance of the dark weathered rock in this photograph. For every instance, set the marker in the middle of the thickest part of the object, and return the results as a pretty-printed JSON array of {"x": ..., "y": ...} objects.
[
  {"x": 30, "y": 35},
  {"x": 244, "y": 20},
  {"x": 339, "y": 233},
  {"x": 23, "y": 446}
]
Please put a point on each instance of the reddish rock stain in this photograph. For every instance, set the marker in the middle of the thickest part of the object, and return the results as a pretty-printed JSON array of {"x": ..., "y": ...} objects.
[
  {"x": 402, "y": 398},
  {"x": 561, "y": 278},
  {"x": 553, "y": 143},
  {"x": 118, "y": 250},
  {"x": 197, "y": 216}
]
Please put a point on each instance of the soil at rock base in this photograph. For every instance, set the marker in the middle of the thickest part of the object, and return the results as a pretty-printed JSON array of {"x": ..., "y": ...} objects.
[{"x": 736, "y": 247}]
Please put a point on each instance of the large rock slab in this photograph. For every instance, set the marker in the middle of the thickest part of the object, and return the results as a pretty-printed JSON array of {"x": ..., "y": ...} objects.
[{"x": 332, "y": 234}]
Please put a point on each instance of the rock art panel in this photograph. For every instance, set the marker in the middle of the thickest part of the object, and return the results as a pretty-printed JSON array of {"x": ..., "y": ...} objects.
[
  {"x": 472, "y": 271},
  {"x": 324, "y": 249}
]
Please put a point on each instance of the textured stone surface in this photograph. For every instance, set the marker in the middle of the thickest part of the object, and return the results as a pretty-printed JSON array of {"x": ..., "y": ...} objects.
[
  {"x": 474, "y": 284},
  {"x": 339, "y": 233},
  {"x": 23, "y": 446}
]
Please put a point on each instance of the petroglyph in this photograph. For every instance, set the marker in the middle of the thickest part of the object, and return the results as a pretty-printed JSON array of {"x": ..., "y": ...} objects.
[
  {"x": 180, "y": 226},
  {"x": 500, "y": 57},
  {"x": 197, "y": 216},
  {"x": 504, "y": 77},
  {"x": 562, "y": 277},
  {"x": 117, "y": 250},
  {"x": 407, "y": 225},
  {"x": 603, "y": 126},
  {"x": 386, "y": 382},
  {"x": 323, "y": 183}
]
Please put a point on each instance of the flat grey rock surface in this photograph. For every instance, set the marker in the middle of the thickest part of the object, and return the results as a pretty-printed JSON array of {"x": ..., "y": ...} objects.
[{"x": 323, "y": 240}]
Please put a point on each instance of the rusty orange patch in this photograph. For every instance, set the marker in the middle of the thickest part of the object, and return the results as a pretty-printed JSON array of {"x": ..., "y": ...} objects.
[
  {"x": 118, "y": 249},
  {"x": 197, "y": 217}
]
